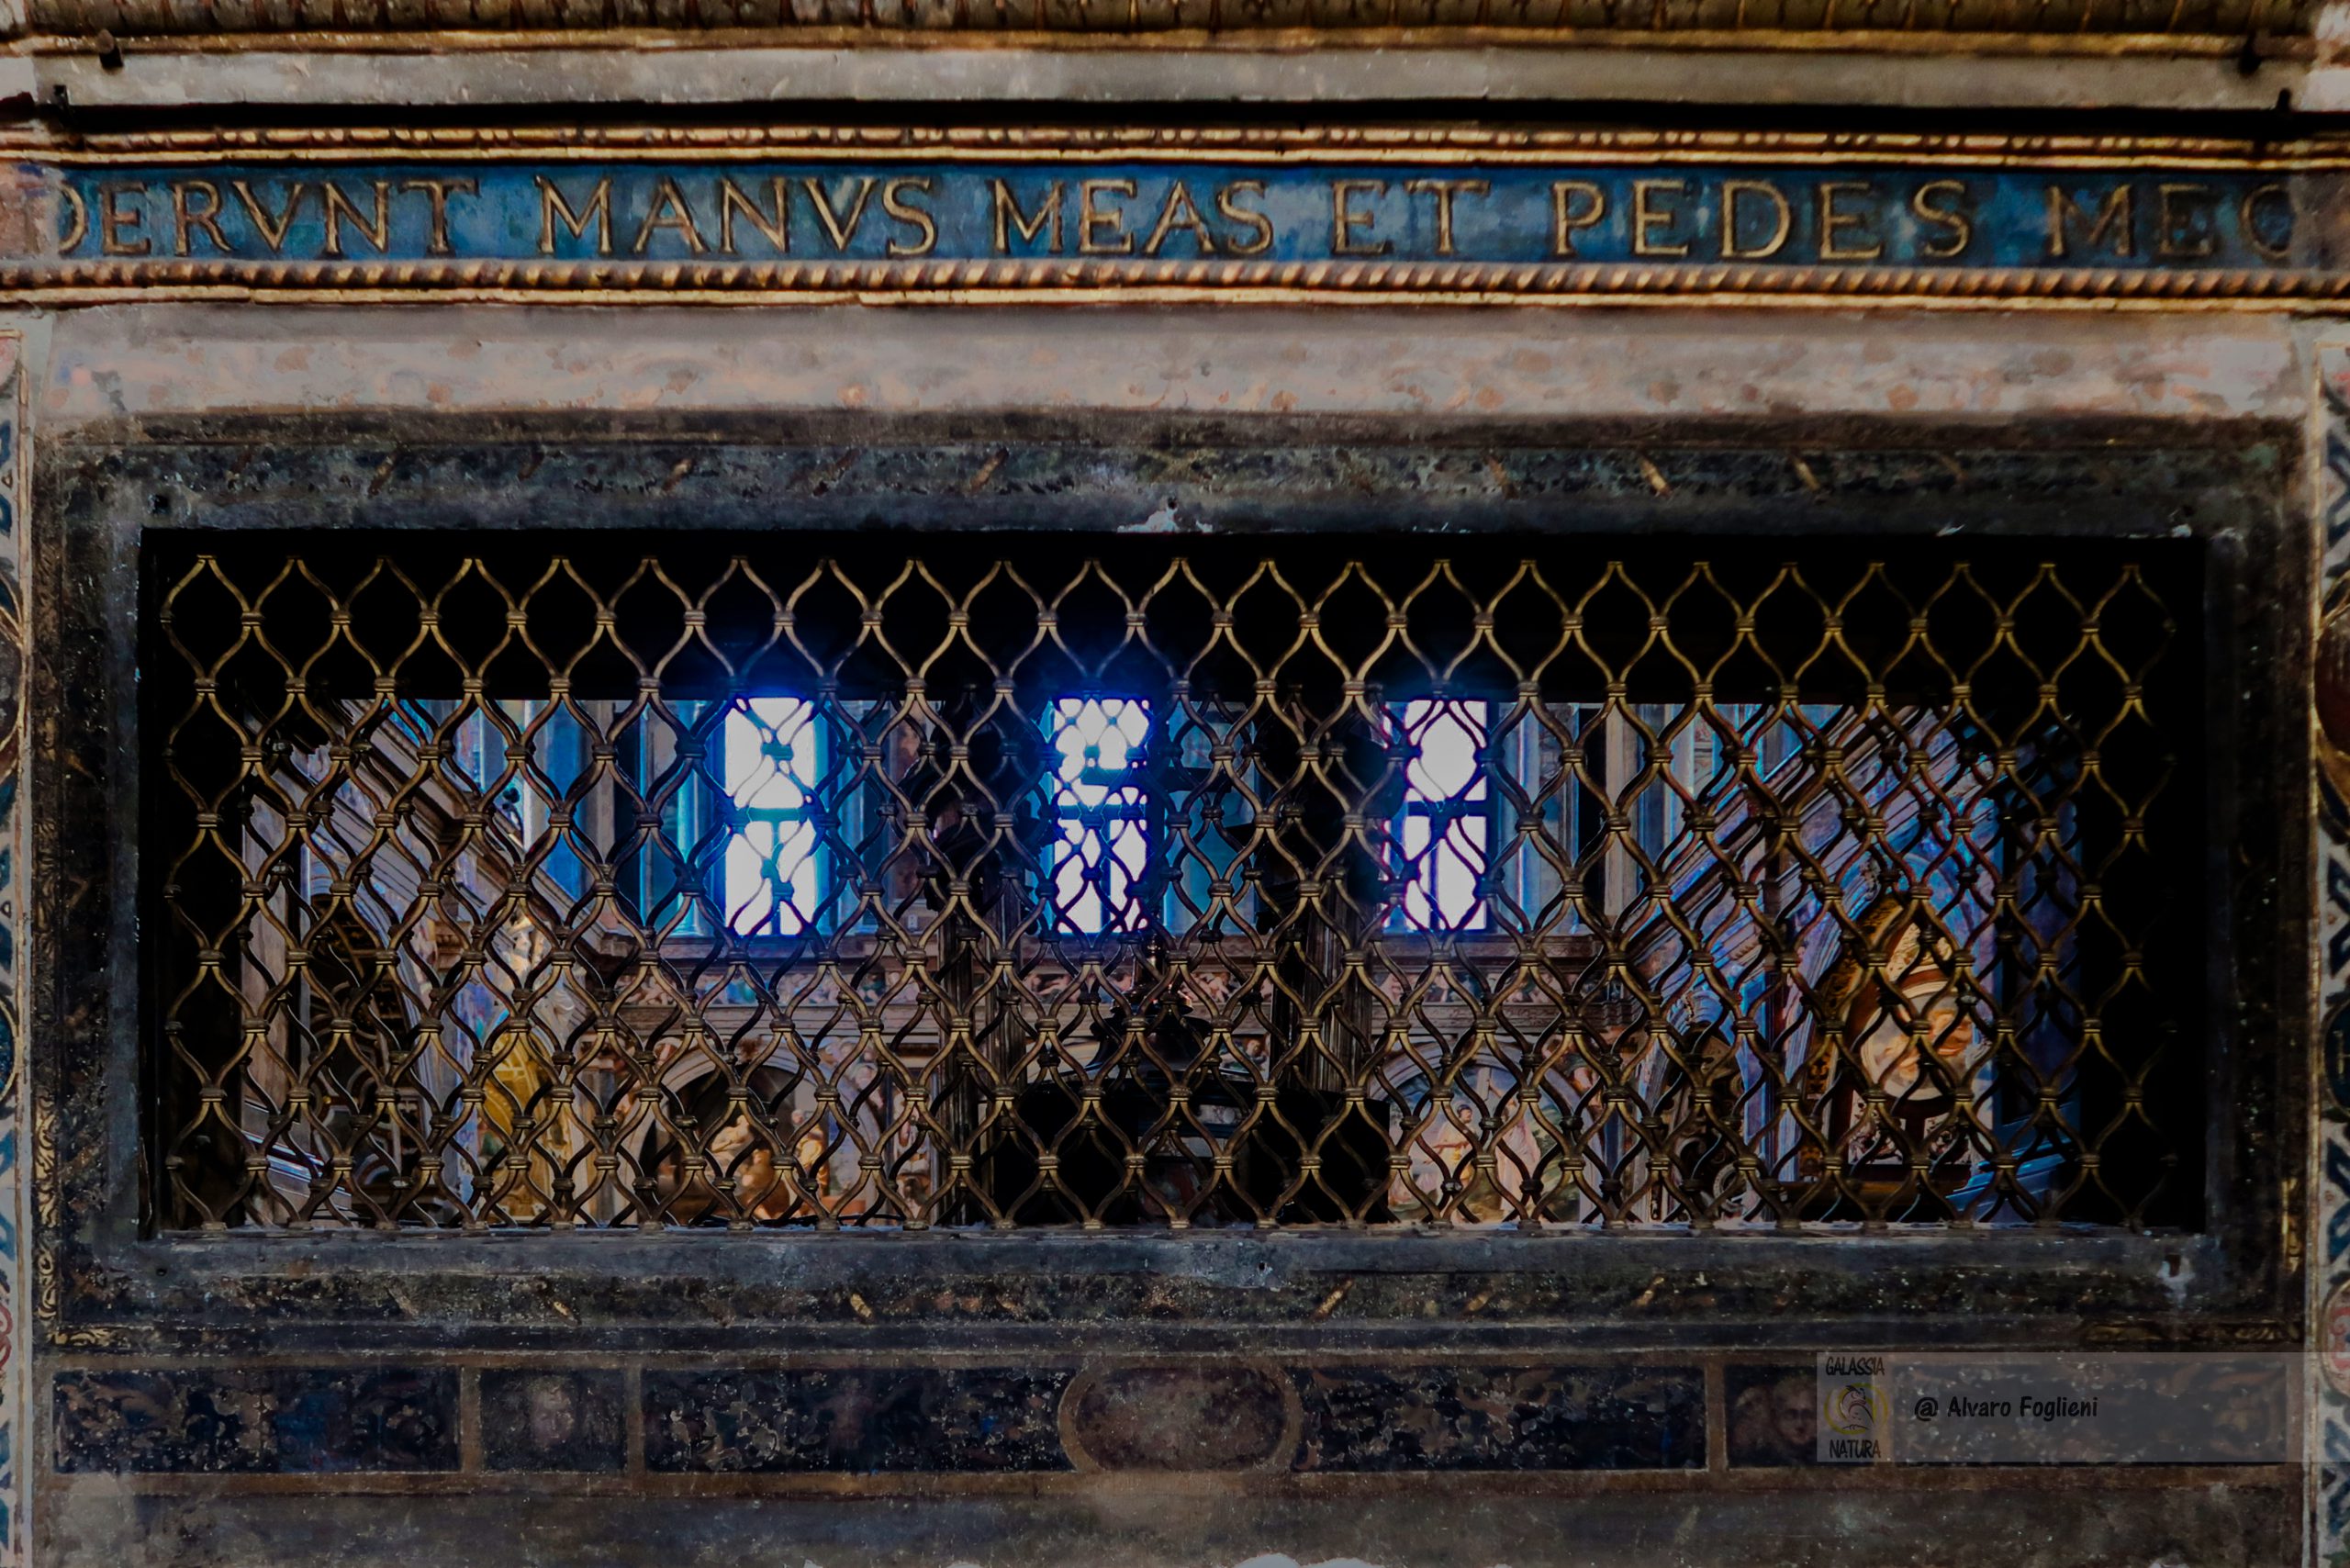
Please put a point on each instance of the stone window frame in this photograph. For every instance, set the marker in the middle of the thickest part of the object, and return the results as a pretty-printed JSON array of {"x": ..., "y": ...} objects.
[{"x": 103, "y": 1284}]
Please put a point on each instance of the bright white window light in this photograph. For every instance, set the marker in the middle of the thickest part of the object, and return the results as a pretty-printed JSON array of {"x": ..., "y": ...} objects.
[
  {"x": 1441, "y": 837},
  {"x": 772, "y": 757},
  {"x": 1102, "y": 843}
]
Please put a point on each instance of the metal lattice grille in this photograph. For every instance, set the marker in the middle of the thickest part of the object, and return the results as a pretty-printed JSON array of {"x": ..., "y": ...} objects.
[{"x": 918, "y": 881}]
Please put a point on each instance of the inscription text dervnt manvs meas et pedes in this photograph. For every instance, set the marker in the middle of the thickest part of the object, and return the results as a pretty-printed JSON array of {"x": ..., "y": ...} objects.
[{"x": 2219, "y": 219}]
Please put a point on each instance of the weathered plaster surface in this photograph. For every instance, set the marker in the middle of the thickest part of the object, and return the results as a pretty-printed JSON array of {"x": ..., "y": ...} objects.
[
  {"x": 669, "y": 70},
  {"x": 1204, "y": 1522},
  {"x": 1541, "y": 363}
]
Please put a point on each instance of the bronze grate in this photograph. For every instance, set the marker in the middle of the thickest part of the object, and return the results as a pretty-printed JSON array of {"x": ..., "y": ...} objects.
[{"x": 915, "y": 881}]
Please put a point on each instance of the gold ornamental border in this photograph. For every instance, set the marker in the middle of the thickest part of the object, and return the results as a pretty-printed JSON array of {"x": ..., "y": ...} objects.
[
  {"x": 1067, "y": 282},
  {"x": 1301, "y": 145}
]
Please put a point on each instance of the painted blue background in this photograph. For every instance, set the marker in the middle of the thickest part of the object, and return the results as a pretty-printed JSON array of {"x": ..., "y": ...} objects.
[{"x": 1513, "y": 223}]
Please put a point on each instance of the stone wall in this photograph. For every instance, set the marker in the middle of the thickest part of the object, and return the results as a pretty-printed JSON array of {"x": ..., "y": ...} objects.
[{"x": 840, "y": 1400}]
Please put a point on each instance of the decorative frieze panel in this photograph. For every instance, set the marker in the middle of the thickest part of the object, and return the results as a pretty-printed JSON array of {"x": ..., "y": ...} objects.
[
  {"x": 1031, "y": 214},
  {"x": 228, "y": 1420},
  {"x": 1456, "y": 1418},
  {"x": 909, "y": 1418},
  {"x": 883, "y": 1419},
  {"x": 539, "y": 1420}
]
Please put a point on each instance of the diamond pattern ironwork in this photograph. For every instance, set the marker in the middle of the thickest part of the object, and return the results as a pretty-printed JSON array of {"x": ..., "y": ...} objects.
[{"x": 910, "y": 880}]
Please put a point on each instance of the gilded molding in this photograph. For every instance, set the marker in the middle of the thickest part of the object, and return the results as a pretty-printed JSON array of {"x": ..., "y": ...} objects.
[
  {"x": 1077, "y": 282},
  {"x": 49, "y": 1211}
]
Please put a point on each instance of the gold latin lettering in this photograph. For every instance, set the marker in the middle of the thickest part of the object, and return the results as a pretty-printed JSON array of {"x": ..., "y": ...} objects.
[
  {"x": 2115, "y": 216},
  {"x": 1345, "y": 219},
  {"x": 553, "y": 208},
  {"x": 1947, "y": 217},
  {"x": 2247, "y": 211},
  {"x": 1647, "y": 217},
  {"x": 1009, "y": 219},
  {"x": 895, "y": 202},
  {"x": 186, "y": 217},
  {"x": 437, "y": 193},
  {"x": 1092, "y": 217},
  {"x": 1446, "y": 192},
  {"x": 667, "y": 209},
  {"x": 840, "y": 230},
  {"x": 339, "y": 207},
  {"x": 1782, "y": 219},
  {"x": 77, "y": 218},
  {"x": 1833, "y": 224},
  {"x": 273, "y": 230},
  {"x": 1178, "y": 212},
  {"x": 1565, "y": 219},
  {"x": 732, "y": 199},
  {"x": 2178, "y": 231},
  {"x": 1249, "y": 217},
  {"x": 117, "y": 225}
]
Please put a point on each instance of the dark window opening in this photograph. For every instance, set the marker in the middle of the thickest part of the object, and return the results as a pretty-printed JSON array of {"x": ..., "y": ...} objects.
[{"x": 912, "y": 882}]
